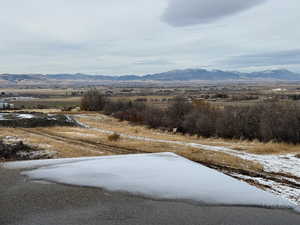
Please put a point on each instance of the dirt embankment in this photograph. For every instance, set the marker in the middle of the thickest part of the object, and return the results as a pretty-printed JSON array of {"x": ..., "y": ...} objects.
[{"x": 13, "y": 148}]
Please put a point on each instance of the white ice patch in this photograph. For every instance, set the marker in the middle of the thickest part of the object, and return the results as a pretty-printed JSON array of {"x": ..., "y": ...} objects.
[
  {"x": 272, "y": 163},
  {"x": 25, "y": 116},
  {"x": 159, "y": 176},
  {"x": 2, "y": 116}
]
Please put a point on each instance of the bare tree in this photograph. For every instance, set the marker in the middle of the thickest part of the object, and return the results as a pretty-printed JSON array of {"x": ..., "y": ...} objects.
[{"x": 93, "y": 100}]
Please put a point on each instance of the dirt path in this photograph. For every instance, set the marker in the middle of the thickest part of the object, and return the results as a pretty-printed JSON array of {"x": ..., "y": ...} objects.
[{"x": 96, "y": 146}]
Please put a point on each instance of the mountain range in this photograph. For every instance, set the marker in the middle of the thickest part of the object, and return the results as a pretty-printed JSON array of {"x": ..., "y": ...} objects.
[{"x": 174, "y": 75}]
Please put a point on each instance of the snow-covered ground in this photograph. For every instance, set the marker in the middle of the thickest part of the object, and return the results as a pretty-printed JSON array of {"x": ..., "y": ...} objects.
[
  {"x": 2, "y": 116},
  {"x": 25, "y": 116},
  {"x": 16, "y": 116},
  {"x": 286, "y": 164},
  {"x": 293, "y": 194},
  {"x": 159, "y": 176}
]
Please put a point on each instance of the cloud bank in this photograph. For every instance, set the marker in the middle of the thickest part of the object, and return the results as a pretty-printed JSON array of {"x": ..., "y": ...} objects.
[
  {"x": 129, "y": 37},
  {"x": 278, "y": 58},
  {"x": 191, "y": 12}
]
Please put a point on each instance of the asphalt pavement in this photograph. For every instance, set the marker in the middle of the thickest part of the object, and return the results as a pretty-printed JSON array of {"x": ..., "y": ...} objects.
[{"x": 23, "y": 202}]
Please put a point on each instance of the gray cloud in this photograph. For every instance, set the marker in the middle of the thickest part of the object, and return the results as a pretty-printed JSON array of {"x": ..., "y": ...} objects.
[
  {"x": 184, "y": 13},
  {"x": 129, "y": 37},
  {"x": 278, "y": 58}
]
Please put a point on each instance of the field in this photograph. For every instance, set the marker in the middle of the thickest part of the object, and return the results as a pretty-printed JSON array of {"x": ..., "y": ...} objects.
[{"x": 270, "y": 166}]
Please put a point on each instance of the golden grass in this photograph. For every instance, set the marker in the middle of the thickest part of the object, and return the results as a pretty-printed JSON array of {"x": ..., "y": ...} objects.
[
  {"x": 96, "y": 137},
  {"x": 256, "y": 147},
  {"x": 36, "y": 91},
  {"x": 90, "y": 139},
  {"x": 217, "y": 158},
  {"x": 221, "y": 159},
  {"x": 60, "y": 99},
  {"x": 273, "y": 148},
  {"x": 64, "y": 148}
]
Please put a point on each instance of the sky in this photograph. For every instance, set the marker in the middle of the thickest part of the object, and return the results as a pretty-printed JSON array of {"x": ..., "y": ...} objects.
[{"x": 119, "y": 37}]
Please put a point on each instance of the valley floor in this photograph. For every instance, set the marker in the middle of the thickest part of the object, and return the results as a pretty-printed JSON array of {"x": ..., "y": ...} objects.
[{"x": 272, "y": 167}]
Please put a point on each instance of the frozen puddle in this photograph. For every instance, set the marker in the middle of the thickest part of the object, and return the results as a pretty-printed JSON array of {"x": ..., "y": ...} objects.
[{"x": 159, "y": 176}]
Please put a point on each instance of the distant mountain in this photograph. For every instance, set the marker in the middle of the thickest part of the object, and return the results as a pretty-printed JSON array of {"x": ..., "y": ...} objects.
[
  {"x": 192, "y": 74},
  {"x": 275, "y": 74},
  {"x": 22, "y": 77},
  {"x": 215, "y": 75},
  {"x": 175, "y": 75}
]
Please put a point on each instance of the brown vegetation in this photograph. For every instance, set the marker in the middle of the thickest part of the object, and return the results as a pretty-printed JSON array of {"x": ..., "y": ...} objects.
[
  {"x": 92, "y": 100},
  {"x": 114, "y": 137},
  {"x": 255, "y": 146},
  {"x": 221, "y": 159},
  {"x": 274, "y": 121}
]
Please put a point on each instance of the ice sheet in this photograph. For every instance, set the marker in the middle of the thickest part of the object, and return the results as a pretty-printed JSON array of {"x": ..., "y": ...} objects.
[
  {"x": 25, "y": 116},
  {"x": 159, "y": 176}
]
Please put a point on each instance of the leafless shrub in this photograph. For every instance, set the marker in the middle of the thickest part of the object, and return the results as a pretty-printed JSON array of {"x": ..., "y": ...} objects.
[
  {"x": 114, "y": 137},
  {"x": 177, "y": 111},
  {"x": 266, "y": 121},
  {"x": 93, "y": 100}
]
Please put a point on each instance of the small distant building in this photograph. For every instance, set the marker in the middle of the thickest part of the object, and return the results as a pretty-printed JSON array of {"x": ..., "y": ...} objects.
[{"x": 279, "y": 89}]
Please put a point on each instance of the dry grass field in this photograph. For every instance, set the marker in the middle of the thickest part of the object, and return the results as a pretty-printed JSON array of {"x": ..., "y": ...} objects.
[
  {"x": 256, "y": 147},
  {"x": 37, "y": 91},
  {"x": 49, "y": 103},
  {"x": 77, "y": 142},
  {"x": 103, "y": 135}
]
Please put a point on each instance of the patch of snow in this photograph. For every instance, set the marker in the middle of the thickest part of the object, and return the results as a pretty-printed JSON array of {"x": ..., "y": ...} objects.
[
  {"x": 159, "y": 176},
  {"x": 12, "y": 140},
  {"x": 44, "y": 146},
  {"x": 41, "y": 163},
  {"x": 69, "y": 118},
  {"x": 44, "y": 154},
  {"x": 272, "y": 163},
  {"x": 286, "y": 164},
  {"x": 2, "y": 116},
  {"x": 25, "y": 116},
  {"x": 293, "y": 194}
]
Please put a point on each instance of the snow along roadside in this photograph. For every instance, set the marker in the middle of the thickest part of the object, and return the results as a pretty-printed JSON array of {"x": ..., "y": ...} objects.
[
  {"x": 159, "y": 176},
  {"x": 285, "y": 164}
]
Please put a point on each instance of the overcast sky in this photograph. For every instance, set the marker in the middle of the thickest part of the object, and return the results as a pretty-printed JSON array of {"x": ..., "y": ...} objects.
[{"x": 148, "y": 36}]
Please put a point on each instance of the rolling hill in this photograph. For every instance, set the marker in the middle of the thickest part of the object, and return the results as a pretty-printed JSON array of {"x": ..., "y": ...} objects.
[{"x": 174, "y": 75}]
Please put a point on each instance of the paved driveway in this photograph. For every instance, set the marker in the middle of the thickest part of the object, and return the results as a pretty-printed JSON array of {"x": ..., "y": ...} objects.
[{"x": 31, "y": 203}]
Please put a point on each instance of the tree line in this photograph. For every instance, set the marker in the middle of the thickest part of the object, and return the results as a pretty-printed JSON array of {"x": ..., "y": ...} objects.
[{"x": 275, "y": 121}]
